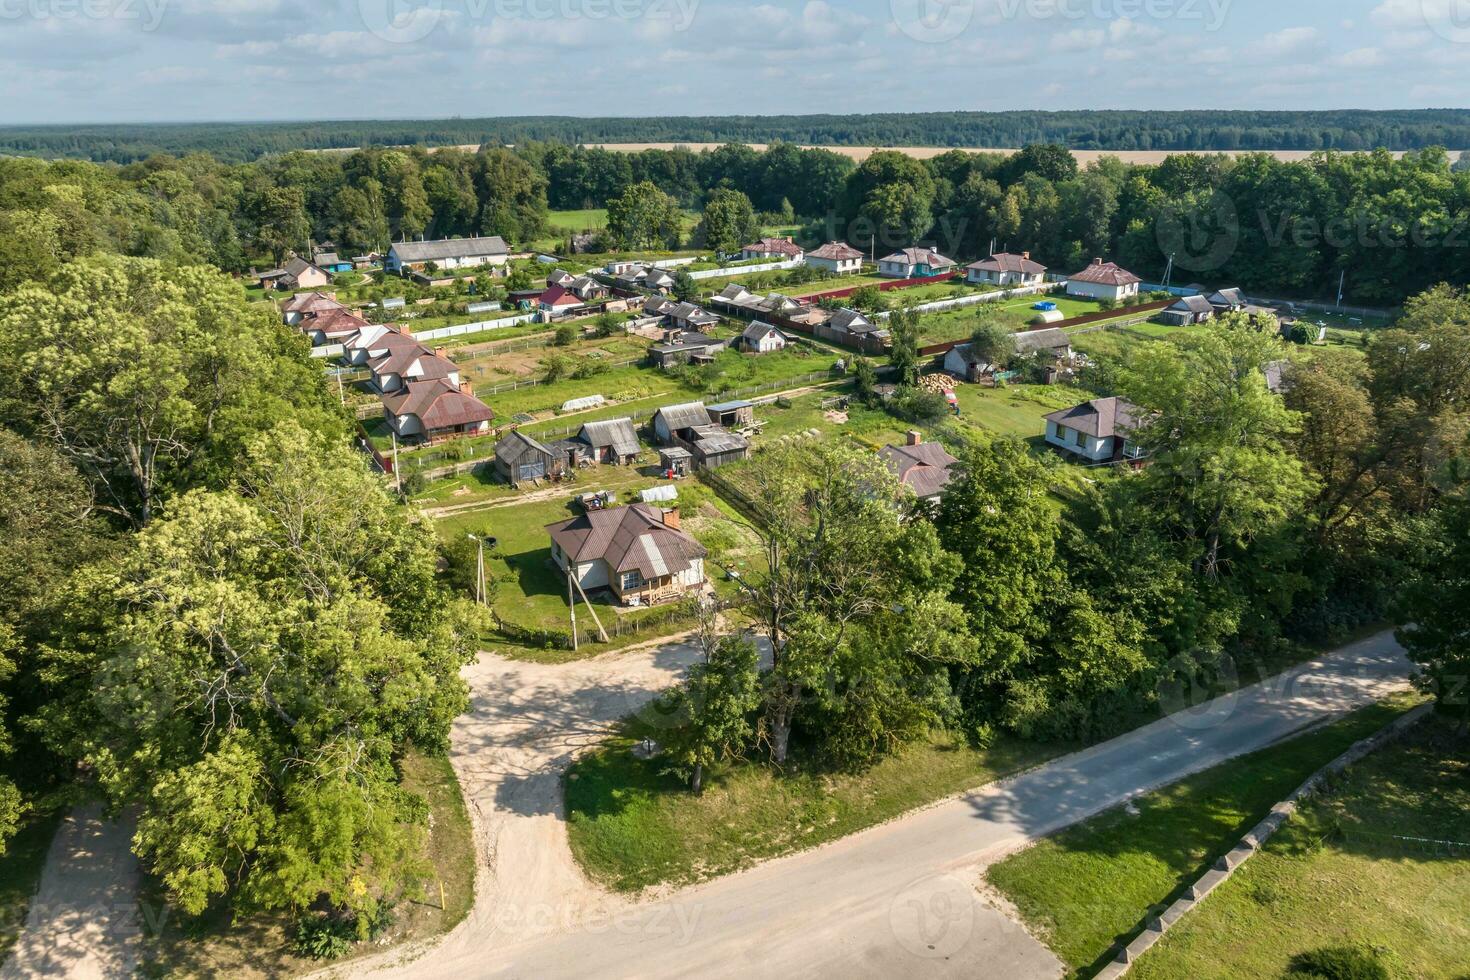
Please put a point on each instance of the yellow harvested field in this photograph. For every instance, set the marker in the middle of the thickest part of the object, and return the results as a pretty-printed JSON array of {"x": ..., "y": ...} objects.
[{"x": 1084, "y": 157}]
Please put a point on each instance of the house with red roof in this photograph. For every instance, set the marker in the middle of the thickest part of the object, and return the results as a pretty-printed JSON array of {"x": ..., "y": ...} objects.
[
  {"x": 778, "y": 249},
  {"x": 426, "y": 411},
  {"x": 1104, "y": 280},
  {"x": 836, "y": 257}
]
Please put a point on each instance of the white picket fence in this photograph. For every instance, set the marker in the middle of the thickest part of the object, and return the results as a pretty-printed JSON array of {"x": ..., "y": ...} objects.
[
  {"x": 459, "y": 330},
  {"x": 978, "y": 298},
  {"x": 742, "y": 270}
]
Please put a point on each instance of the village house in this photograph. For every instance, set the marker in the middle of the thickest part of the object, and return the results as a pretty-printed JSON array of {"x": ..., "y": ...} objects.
[
  {"x": 1096, "y": 430},
  {"x": 762, "y": 338},
  {"x": 1229, "y": 300},
  {"x": 1050, "y": 344},
  {"x": 329, "y": 261},
  {"x": 404, "y": 364},
  {"x": 1006, "y": 269},
  {"x": 330, "y": 326},
  {"x": 612, "y": 441},
  {"x": 521, "y": 459},
  {"x": 434, "y": 410},
  {"x": 1187, "y": 311},
  {"x": 304, "y": 304},
  {"x": 297, "y": 273},
  {"x": 448, "y": 253},
  {"x": 638, "y": 553},
  {"x": 779, "y": 249},
  {"x": 369, "y": 261},
  {"x": 914, "y": 263},
  {"x": 560, "y": 277},
  {"x": 692, "y": 427},
  {"x": 853, "y": 323},
  {"x": 372, "y": 341},
  {"x": 558, "y": 299},
  {"x": 923, "y": 467},
  {"x": 587, "y": 289},
  {"x": 839, "y": 258},
  {"x": 1104, "y": 280},
  {"x": 684, "y": 347}
]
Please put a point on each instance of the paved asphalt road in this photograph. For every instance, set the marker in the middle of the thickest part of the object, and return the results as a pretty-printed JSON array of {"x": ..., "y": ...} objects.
[{"x": 898, "y": 900}]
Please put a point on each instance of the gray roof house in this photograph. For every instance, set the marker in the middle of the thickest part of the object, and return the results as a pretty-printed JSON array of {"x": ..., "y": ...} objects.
[
  {"x": 1187, "y": 310},
  {"x": 639, "y": 553},
  {"x": 448, "y": 253},
  {"x": 851, "y": 321},
  {"x": 1096, "y": 430},
  {"x": 521, "y": 459},
  {"x": 692, "y": 426},
  {"x": 612, "y": 440},
  {"x": 684, "y": 346}
]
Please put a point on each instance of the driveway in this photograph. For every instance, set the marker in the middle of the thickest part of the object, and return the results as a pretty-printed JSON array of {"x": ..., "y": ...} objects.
[{"x": 900, "y": 899}]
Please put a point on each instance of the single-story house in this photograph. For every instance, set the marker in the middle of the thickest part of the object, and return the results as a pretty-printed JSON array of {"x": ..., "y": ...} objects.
[
  {"x": 762, "y": 338},
  {"x": 522, "y": 459},
  {"x": 369, "y": 261},
  {"x": 612, "y": 441},
  {"x": 297, "y": 273},
  {"x": 923, "y": 467},
  {"x": 330, "y": 326},
  {"x": 736, "y": 295},
  {"x": 1096, "y": 430},
  {"x": 681, "y": 316},
  {"x": 558, "y": 299},
  {"x": 914, "y": 263},
  {"x": 782, "y": 249},
  {"x": 588, "y": 289},
  {"x": 852, "y": 322},
  {"x": 448, "y": 253},
  {"x": 436, "y": 409},
  {"x": 331, "y": 262},
  {"x": 684, "y": 346},
  {"x": 404, "y": 364},
  {"x": 639, "y": 553},
  {"x": 1006, "y": 269},
  {"x": 560, "y": 277},
  {"x": 1104, "y": 280},
  {"x": 371, "y": 341},
  {"x": 1227, "y": 300},
  {"x": 1187, "y": 310},
  {"x": 837, "y": 257},
  {"x": 304, "y": 304},
  {"x": 1051, "y": 343}
]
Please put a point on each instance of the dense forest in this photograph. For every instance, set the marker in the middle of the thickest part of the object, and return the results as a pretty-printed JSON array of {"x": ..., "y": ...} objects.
[
  {"x": 1408, "y": 129},
  {"x": 1383, "y": 227}
]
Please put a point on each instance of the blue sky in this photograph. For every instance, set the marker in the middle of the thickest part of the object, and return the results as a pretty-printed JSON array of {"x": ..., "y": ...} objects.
[{"x": 129, "y": 60}]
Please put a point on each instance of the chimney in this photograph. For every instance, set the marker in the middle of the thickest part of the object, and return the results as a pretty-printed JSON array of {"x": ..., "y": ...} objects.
[
  {"x": 465, "y": 388},
  {"x": 441, "y": 352},
  {"x": 671, "y": 518},
  {"x": 404, "y": 329},
  {"x": 1026, "y": 255},
  {"x": 1097, "y": 261},
  {"x": 916, "y": 438}
]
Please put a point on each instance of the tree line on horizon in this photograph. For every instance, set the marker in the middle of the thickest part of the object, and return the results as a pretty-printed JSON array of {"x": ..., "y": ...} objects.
[{"x": 1182, "y": 130}]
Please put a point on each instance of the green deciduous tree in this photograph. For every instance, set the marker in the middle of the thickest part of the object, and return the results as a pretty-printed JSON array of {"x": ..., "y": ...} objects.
[
  {"x": 728, "y": 222},
  {"x": 644, "y": 217},
  {"x": 710, "y": 711},
  {"x": 1435, "y": 604}
]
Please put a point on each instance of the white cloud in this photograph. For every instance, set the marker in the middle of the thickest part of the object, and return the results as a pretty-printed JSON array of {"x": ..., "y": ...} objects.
[
  {"x": 1359, "y": 58},
  {"x": 1289, "y": 40}
]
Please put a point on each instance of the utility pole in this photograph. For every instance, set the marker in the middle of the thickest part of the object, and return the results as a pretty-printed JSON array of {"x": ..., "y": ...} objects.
[
  {"x": 1341, "y": 283},
  {"x": 572, "y": 604},
  {"x": 397, "y": 475}
]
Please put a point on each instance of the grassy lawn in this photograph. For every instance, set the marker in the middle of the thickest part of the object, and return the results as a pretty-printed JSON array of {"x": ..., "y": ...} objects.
[
  {"x": 632, "y": 828},
  {"x": 1090, "y": 885},
  {"x": 1312, "y": 887},
  {"x": 1015, "y": 410},
  {"x": 589, "y": 219},
  {"x": 251, "y": 946},
  {"x": 20, "y": 874}
]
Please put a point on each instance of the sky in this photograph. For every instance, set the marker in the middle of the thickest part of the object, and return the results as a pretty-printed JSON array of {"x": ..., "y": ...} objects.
[{"x": 71, "y": 61}]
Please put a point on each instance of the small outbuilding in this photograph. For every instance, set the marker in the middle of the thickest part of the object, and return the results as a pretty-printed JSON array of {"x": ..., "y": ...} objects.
[{"x": 522, "y": 459}]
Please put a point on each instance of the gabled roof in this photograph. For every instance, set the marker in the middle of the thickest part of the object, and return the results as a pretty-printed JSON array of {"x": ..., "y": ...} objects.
[
  {"x": 836, "y": 251},
  {"x": 437, "y": 404},
  {"x": 297, "y": 265},
  {"x": 776, "y": 246},
  {"x": 633, "y": 538},
  {"x": 1227, "y": 297},
  {"x": 326, "y": 258},
  {"x": 618, "y": 434},
  {"x": 924, "y": 468},
  {"x": 516, "y": 445},
  {"x": 1008, "y": 262},
  {"x": 714, "y": 440},
  {"x": 450, "y": 248},
  {"x": 560, "y": 296},
  {"x": 735, "y": 293},
  {"x": 337, "y": 322},
  {"x": 374, "y": 336},
  {"x": 560, "y": 277},
  {"x": 688, "y": 340},
  {"x": 310, "y": 303},
  {"x": 691, "y": 313},
  {"x": 1106, "y": 274},
  {"x": 759, "y": 329},
  {"x": 920, "y": 256},
  {"x": 852, "y": 321},
  {"x": 1051, "y": 338},
  {"x": 1193, "y": 304},
  {"x": 689, "y": 415},
  {"x": 1101, "y": 417}
]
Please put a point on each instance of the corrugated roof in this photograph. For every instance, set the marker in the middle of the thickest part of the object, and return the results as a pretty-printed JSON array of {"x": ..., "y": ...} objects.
[
  {"x": 618, "y": 434},
  {"x": 686, "y": 416},
  {"x": 1106, "y": 274},
  {"x": 450, "y": 248},
  {"x": 627, "y": 539}
]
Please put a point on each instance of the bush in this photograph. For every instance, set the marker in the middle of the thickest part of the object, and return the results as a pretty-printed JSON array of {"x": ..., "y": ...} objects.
[
  {"x": 566, "y": 334},
  {"x": 1340, "y": 963},
  {"x": 919, "y": 406},
  {"x": 323, "y": 938}
]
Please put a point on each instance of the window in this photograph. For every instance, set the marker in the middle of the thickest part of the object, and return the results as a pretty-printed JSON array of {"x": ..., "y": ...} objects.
[{"x": 631, "y": 581}]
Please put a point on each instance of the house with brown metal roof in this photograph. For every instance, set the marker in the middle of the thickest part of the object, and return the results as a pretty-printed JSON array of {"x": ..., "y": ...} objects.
[
  {"x": 923, "y": 467},
  {"x": 1006, "y": 269},
  {"x": 836, "y": 257},
  {"x": 1103, "y": 280},
  {"x": 914, "y": 263},
  {"x": 438, "y": 409},
  {"x": 638, "y": 553},
  {"x": 1097, "y": 430},
  {"x": 782, "y": 249}
]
